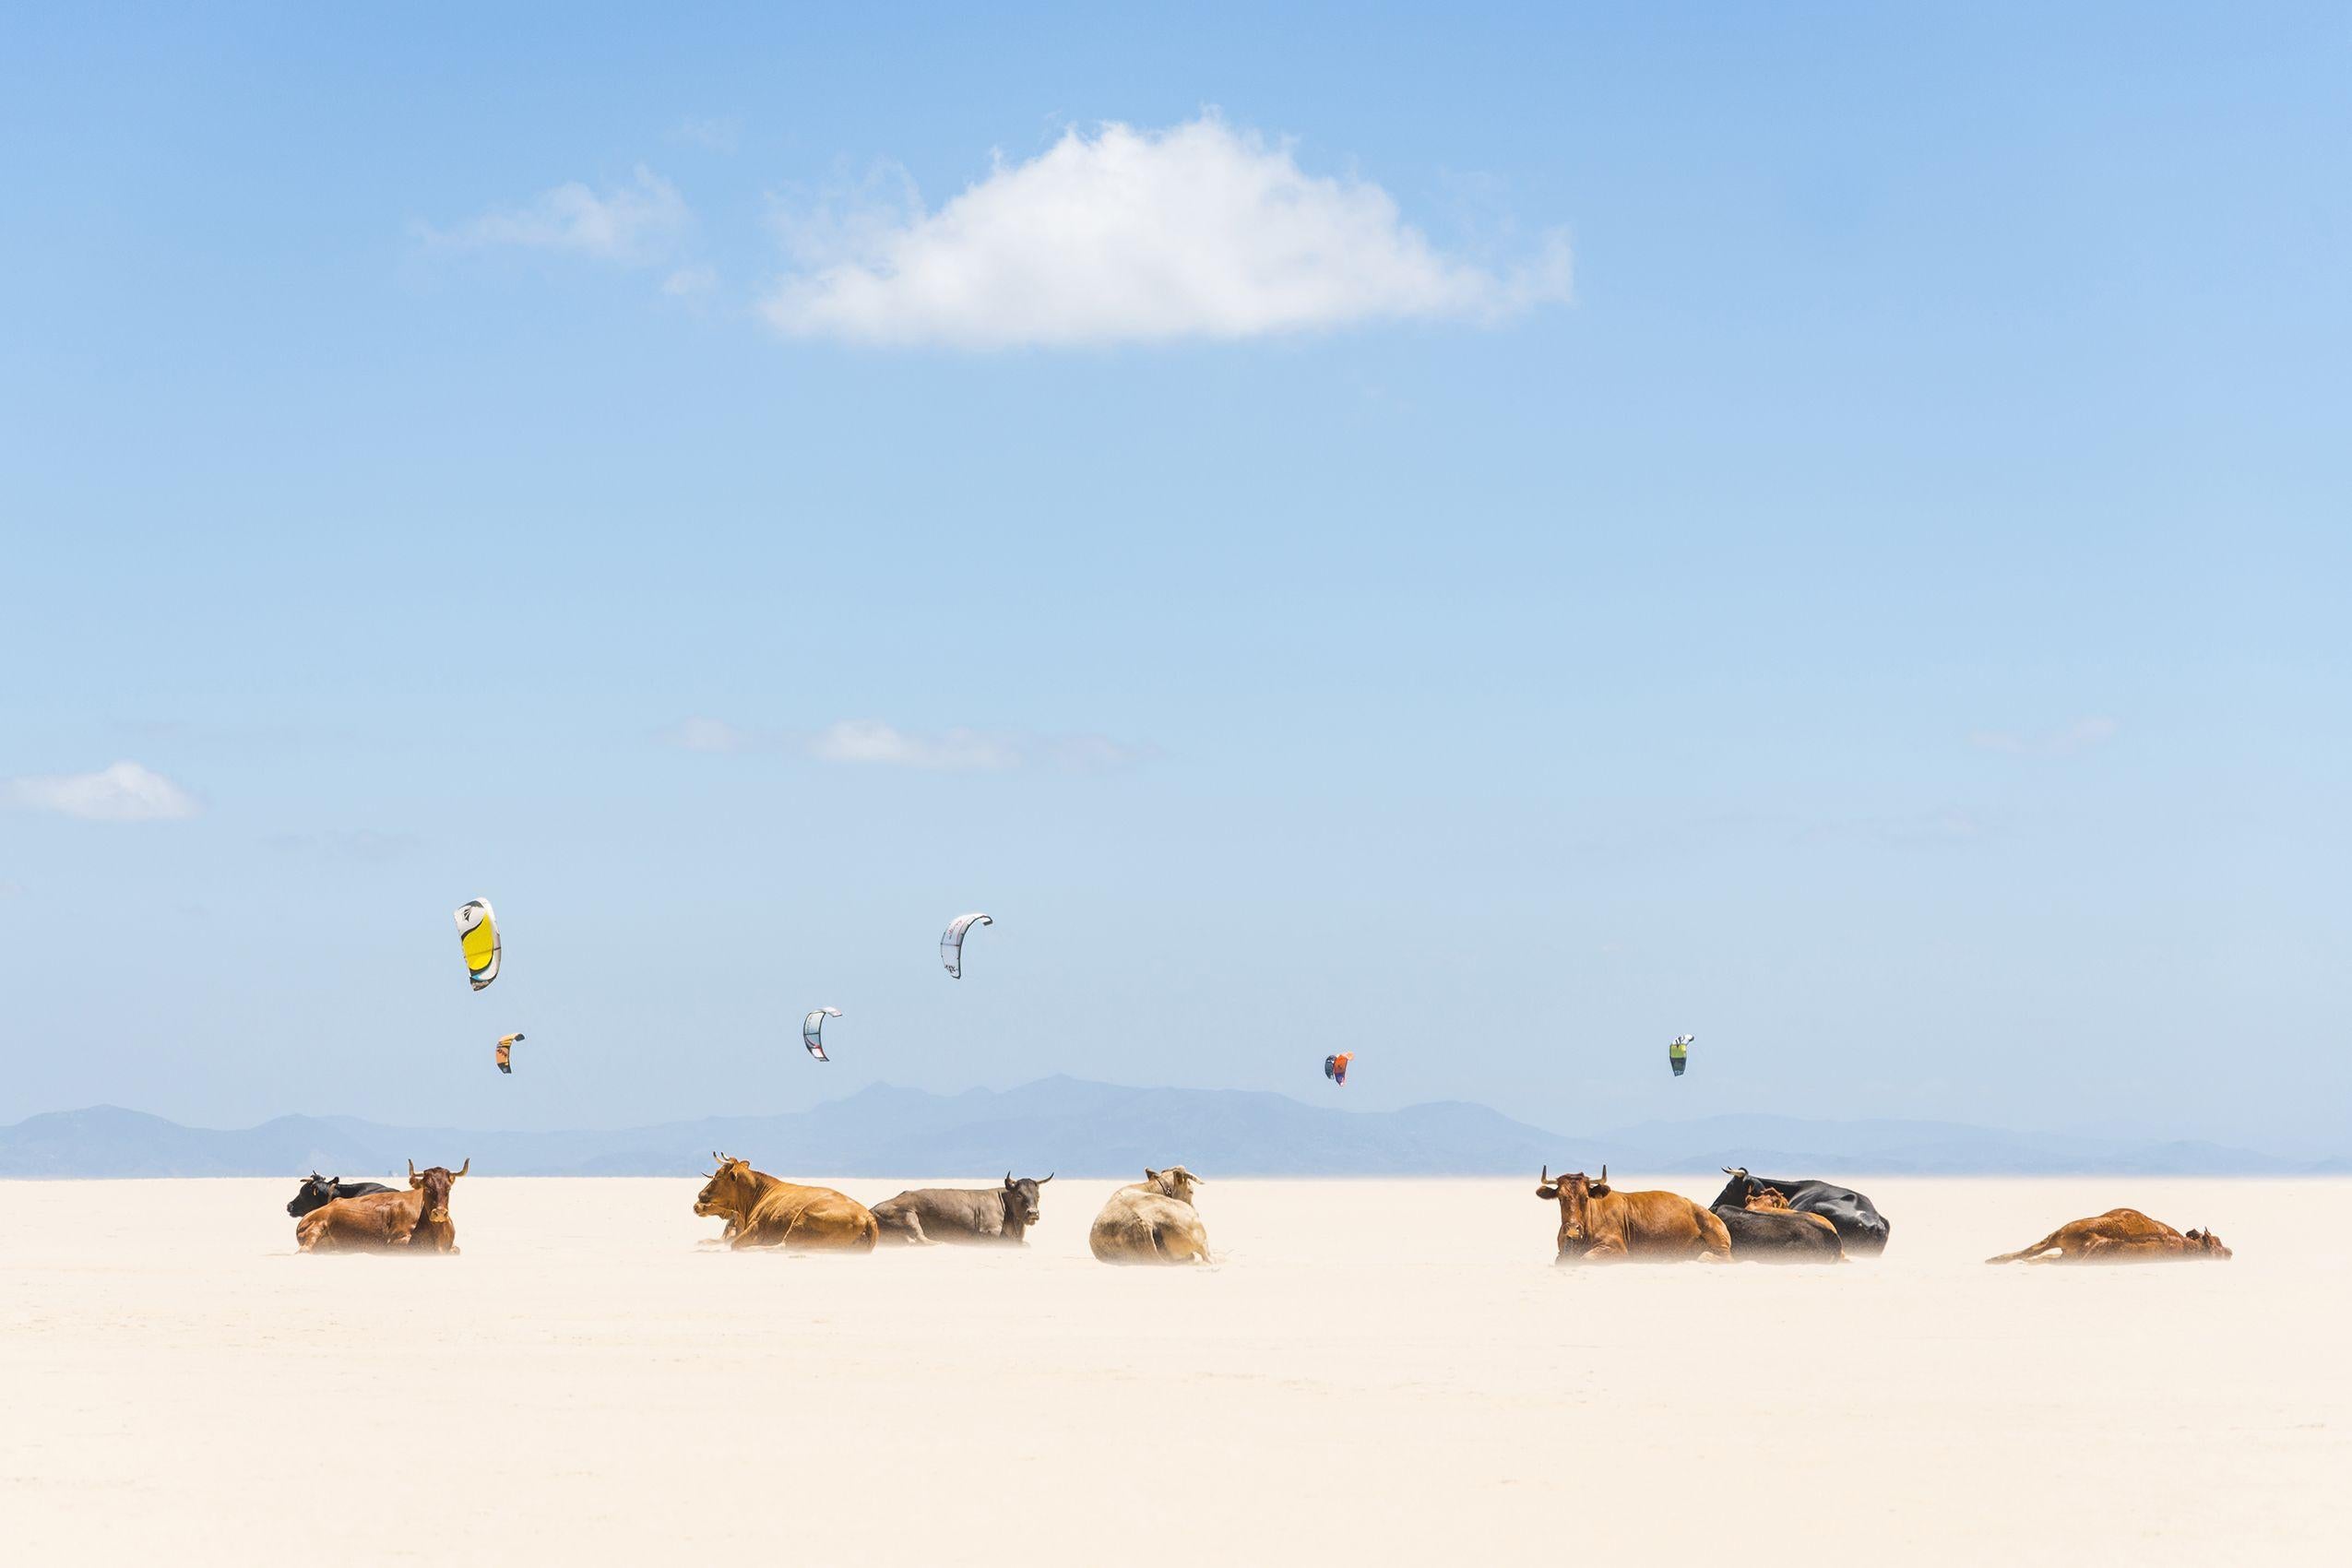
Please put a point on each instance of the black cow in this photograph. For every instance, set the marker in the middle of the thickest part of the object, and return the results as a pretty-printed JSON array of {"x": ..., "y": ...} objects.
[
  {"x": 1778, "y": 1235},
  {"x": 959, "y": 1214},
  {"x": 1860, "y": 1227},
  {"x": 319, "y": 1191}
]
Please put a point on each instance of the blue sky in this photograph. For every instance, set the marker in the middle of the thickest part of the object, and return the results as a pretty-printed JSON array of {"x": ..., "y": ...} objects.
[{"x": 1485, "y": 540}]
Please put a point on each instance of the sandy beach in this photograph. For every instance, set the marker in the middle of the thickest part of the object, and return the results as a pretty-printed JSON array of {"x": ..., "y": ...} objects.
[{"x": 1375, "y": 1370}]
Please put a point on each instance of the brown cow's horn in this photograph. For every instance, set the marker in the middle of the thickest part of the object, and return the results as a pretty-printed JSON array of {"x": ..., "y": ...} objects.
[
  {"x": 412, "y": 1170},
  {"x": 1546, "y": 1177},
  {"x": 1604, "y": 1174},
  {"x": 469, "y": 1165}
]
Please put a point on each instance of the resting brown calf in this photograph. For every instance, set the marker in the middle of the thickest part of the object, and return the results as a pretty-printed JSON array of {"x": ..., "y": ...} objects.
[
  {"x": 2121, "y": 1235},
  {"x": 1772, "y": 1201},
  {"x": 762, "y": 1211},
  {"x": 1598, "y": 1224},
  {"x": 380, "y": 1222}
]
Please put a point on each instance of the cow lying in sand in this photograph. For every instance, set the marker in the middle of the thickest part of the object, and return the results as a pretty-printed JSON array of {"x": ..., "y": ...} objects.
[
  {"x": 762, "y": 1211},
  {"x": 1152, "y": 1220},
  {"x": 1001, "y": 1215},
  {"x": 1765, "y": 1229},
  {"x": 1598, "y": 1224},
  {"x": 2121, "y": 1235},
  {"x": 416, "y": 1219}
]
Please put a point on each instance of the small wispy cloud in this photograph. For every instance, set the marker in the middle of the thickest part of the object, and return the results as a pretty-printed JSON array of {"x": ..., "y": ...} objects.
[
  {"x": 870, "y": 741},
  {"x": 634, "y": 224},
  {"x": 1199, "y": 231},
  {"x": 713, "y": 134},
  {"x": 2080, "y": 736},
  {"x": 122, "y": 793},
  {"x": 690, "y": 282},
  {"x": 873, "y": 743}
]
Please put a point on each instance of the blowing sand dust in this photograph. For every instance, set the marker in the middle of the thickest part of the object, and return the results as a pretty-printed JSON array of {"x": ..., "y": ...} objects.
[{"x": 1375, "y": 1372}]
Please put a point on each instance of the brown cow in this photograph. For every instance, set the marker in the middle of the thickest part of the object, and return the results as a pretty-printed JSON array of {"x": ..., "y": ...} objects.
[
  {"x": 418, "y": 1218},
  {"x": 1598, "y": 1224},
  {"x": 762, "y": 1211},
  {"x": 2121, "y": 1235},
  {"x": 1772, "y": 1200}
]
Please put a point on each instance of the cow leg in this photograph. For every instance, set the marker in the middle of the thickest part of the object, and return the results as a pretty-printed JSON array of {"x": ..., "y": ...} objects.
[
  {"x": 2027, "y": 1253},
  {"x": 1605, "y": 1252}
]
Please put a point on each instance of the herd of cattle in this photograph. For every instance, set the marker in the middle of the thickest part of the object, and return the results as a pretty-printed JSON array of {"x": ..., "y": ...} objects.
[{"x": 1756, "y": 1219}]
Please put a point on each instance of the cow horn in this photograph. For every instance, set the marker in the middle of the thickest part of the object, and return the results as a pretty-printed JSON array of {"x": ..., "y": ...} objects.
[
  {"x": 1604, "y": 1174},
  {"x": 1546, "y": 1178},
  {"x": 412, "y": 1170},
  {"x": 1045, "y": 1178},
  {"x": 469, "y": 1165}
]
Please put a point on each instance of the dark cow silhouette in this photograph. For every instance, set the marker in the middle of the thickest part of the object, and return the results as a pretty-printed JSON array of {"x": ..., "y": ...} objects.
[
  {"x": 1860, "y": 1227},
  {"x": 318, "y": 1191},
  {"x": 1765, "y": 1229},
  {"x": 959, "y": 1214}
]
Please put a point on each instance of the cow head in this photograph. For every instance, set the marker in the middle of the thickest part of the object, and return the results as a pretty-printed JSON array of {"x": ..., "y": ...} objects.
[
  {"x": 731, "y": 1191},
  {"x": 1020, "y": 1200},
  {"x": 2207, "y": 1244},
  {"x": 1739, "y": 1189},
  {"x": 1575, "y": 1193},
  {"x": 1176, "y": 1182},
  {"x": 1766, "y": 1198},
  {"x": 317, "y": 1191},
  {"x": 434, "y": 1185}
]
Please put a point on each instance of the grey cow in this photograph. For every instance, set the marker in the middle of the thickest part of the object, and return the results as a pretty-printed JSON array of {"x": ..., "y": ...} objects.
[{"x": 981, "y": 1215}]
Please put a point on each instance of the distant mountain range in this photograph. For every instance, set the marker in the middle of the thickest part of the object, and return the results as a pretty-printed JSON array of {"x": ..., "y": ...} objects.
[{"x": 1087, "y": 1129}]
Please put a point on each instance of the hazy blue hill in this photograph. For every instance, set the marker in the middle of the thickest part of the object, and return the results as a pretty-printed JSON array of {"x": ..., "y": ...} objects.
[{"x": 1080, "y": 1128}]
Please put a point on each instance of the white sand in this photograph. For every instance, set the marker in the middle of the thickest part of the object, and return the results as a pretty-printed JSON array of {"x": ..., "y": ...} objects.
[{"x": 1378, "y": 1371}]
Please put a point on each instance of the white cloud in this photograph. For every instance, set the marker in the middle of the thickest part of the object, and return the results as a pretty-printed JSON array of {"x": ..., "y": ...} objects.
[
  {"x": 632, "y": 223},
  {"x": 1198, "y": 231},
  {"x": 2079, "y": 736},
  {"x": 715, "y": 135},
  {"x": 123, "y": 792},
  {"x": 690, "y": 282},
  {"x": 951, "y": 750}
]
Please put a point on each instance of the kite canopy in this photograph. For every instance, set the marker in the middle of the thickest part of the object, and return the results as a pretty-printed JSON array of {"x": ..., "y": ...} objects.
[
  {"x": 950, "y": 944},
  {"x": 813, "y": 1031},
  {"x": 1335, "y": 1067},
  {"x": 478, "y": 935},
  {"x": 1678, "y": 1055}
]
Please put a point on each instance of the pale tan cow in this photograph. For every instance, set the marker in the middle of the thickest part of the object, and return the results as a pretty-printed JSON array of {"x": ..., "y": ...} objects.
[{"x": 1152, "y": 1220}]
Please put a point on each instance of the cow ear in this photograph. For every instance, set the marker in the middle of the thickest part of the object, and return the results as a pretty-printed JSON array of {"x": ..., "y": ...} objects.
[
  {"x": 1599, "y": 1189},
  {"x": 1149, "y": 1174},
  {"x": 1549, "y": 1190}
]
